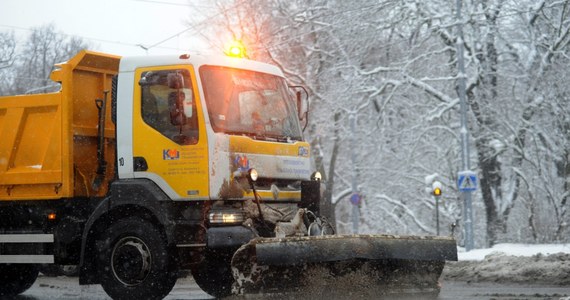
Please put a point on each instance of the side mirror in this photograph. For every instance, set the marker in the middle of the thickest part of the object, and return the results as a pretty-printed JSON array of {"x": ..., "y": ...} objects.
[
  {"x": 175, "y": 80},
  {"x": 188, "y": 103},
  {"x": 176, "y": 108},
  {"x": 299, "y": 104},
  {"x": 302, "y": 104}
]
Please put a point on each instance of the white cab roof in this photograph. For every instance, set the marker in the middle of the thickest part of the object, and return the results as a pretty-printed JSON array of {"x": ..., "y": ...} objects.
[{"x": 129, "y": 64}]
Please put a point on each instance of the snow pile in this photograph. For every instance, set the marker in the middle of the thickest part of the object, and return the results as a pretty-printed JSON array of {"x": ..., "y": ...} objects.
[
  {"x": 517, "y": 263},
  {"x": 514, "y": 250}
]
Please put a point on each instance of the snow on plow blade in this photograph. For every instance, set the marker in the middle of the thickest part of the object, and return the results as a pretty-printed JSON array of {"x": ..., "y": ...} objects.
[
  {"x": 368, "y": 265},
  {"x": 294, "y": 251}
]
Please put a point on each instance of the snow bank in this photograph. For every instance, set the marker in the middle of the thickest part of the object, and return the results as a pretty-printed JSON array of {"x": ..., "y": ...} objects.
[
  {"x": 513, "y": 263},
  {"x": 526, "y": 250}
]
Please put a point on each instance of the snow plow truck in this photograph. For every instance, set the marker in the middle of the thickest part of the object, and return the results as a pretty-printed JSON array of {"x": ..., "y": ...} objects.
[{"x": 138, "y": 168}]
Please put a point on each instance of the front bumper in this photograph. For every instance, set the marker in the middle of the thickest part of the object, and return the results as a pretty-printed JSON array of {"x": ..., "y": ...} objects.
[{"x": 228, "y": 236}]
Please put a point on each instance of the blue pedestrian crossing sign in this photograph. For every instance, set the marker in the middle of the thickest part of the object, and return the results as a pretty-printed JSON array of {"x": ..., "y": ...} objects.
[{"x": 467, "y": 181}]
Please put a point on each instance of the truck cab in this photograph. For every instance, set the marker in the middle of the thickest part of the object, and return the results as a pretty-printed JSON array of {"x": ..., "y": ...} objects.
[{"x": 195, "y": 123}]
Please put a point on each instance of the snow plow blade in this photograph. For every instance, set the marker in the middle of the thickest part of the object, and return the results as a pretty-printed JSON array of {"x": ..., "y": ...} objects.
[{"x": 369, "y": 265}]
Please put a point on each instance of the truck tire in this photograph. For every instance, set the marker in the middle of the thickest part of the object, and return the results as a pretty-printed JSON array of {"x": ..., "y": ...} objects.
[
  {"x": 16, "y": 278},
  {"x": 135, "y": 263},
  {"x": 214, "y": 275}
]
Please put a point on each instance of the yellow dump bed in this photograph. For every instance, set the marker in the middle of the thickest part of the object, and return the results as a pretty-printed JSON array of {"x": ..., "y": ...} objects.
[{"x": 48, "y": 142}]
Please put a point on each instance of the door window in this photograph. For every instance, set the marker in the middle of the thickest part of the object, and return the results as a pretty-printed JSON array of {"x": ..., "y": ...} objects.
[{"x": 168, "y": 104}]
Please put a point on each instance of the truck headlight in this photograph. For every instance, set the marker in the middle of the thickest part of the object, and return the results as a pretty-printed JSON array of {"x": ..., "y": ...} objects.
[
  {"x": 226, "y": 218},
  {"x": 252, "y": 175}
]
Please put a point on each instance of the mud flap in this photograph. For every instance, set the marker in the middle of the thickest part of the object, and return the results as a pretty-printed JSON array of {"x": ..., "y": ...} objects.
[{"x": 368, "y": 265}]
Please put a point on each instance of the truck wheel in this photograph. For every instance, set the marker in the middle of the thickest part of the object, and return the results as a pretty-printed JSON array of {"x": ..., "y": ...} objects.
[
  {"x": 16, "y": 278},
  {"x": 214, "y": 275},
  {"x": 135, "y": 262}
]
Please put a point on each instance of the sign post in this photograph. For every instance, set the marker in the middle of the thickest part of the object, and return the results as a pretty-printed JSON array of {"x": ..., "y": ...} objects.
[
  {"x": 464, "y": 131},
  {"x": 355, "y": 199}
]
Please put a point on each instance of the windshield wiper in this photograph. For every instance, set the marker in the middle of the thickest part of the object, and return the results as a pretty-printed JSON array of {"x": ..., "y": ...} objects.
[
  {"x": 276, "y": 138},
  {"x": 264, "y": 137}
]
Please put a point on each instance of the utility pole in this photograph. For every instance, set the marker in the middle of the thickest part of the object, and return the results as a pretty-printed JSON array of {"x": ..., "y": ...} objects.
[
  {"x": 355, "y": 197},
  {"x": 464, "y": 131}
]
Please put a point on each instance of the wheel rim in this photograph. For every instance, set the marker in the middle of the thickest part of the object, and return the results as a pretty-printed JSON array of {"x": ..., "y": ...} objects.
[{"x": 131, "y": 261}]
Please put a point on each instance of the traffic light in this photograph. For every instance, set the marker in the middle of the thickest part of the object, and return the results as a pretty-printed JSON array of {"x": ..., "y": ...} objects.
[{"x": 436, "y": 189}]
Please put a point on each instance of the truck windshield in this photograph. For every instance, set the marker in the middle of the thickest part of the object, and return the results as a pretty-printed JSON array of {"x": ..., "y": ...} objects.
[{"x": 249, "y": 103}]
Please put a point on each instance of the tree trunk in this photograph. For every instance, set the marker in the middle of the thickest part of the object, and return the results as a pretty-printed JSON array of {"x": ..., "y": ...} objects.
[
  {"x": 563, "y": 172},
  {"x": 490, "y": 186},
  {"x": 532, "y": 221},
  {"x": 491, "y": 175},
  {"x": 330, "y": 178}
]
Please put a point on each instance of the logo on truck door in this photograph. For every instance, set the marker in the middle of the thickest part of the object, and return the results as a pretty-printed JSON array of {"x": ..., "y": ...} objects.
[{"x": 170, "y": 154}]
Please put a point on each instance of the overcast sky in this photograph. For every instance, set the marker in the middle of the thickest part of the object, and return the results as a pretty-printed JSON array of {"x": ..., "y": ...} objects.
[{"x": 113, "y": 26}]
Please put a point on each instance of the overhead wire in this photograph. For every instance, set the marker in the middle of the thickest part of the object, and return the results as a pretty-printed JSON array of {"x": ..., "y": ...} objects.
[
  {"x": 163, "y": 2},
  {"x": 194, "y": 26},
  {"x": 83, "y": 37}
]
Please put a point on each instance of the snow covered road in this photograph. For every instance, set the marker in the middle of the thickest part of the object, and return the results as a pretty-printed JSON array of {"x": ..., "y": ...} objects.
[
  {"x": 507, "y": 271},
  {"x": 66, "y": 288}
]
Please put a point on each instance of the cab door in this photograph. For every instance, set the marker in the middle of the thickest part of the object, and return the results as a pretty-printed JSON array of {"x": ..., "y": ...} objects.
[{"x": 169, "y": 136}]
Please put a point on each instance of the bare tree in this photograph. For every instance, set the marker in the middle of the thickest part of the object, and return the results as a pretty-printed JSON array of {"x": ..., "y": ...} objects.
[
  {"x": 7, "y": 58},
  {"x": 43, "y": 48},
  {"x": 7, "y": 49},
  {"x": 393, "y": 65}
]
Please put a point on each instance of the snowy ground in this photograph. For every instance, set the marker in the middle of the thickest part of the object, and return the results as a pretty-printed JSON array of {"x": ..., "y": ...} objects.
[
  {"x": 514, "y": 250},
  {"x": 513, "y": 263},
  {"x": 506, "y": 271}
]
